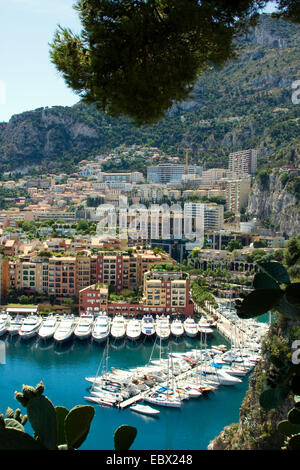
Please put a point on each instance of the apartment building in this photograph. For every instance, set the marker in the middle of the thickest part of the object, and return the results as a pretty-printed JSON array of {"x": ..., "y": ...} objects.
[
  {"x": 134, "y": 177},
  {"x": 243, "y": 162},
  {"x": 211, "y": 215},
  {"x": 167, "y": 292},
  {"x": 86, "y": 271},
  {"x": 4, "y": 267},
  {"x": 237, "y": 194},
  {"x": 125, "y": 270},
  {"x": 66, "y": 276},
  {"x": 62, "y": 277},
  {"x": 164, "y": 293},
  {"x": 169, "y": 172},
  {"x": 93, "y": 299}
]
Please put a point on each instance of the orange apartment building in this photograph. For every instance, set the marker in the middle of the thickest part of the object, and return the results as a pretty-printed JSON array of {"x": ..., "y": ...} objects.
[
  {"x": 164, "y": 293},
  {"x": 65, "y": 276}
]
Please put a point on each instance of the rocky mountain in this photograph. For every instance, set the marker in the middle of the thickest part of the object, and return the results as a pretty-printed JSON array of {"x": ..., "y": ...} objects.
[
  {"x": 276, "y": 200},
  {"x": 245, "y": 104}
]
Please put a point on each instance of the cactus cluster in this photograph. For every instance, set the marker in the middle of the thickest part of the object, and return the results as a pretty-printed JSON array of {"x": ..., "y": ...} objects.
[
  {"x": 291, "y": 427},
  {"x": 55, "y": 427},
  {"x": 273, "y": 290}
]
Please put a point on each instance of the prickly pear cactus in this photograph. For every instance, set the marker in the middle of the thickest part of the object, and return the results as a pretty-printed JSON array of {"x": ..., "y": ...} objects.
[{"x": 54, "y": 428}]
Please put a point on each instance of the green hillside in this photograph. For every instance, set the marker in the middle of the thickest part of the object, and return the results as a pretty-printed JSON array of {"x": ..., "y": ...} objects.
[{"x": 246, "y": 104}]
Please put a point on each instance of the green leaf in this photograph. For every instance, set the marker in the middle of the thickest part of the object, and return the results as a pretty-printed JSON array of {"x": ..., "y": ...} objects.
[
  {"x": 42, "y": 417},
  {"x": 294, "y": 416},
  {"x": 276, "y": 271},
  {"x": 287, "y": 429},
  {"x": 11, "y": 439},
  {"x": 263, "y": 281},
  {"x": 258, "y": 302},
  {"x": 293, "y": 294},
  {"x": 294, "y": 442},
  {"x": 77, "y": 424},
  {"x": 124, "y": 437},
  {"x": 61, "y": 413},
  {"x": 13, "y": 424},
  {"x": 296, "y": 385},
  {"x": 288, "y": 310},
  {"x": 273, "y": 397}
]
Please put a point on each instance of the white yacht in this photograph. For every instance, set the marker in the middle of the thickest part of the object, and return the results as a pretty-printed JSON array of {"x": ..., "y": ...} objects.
[
  {"x": 15, "y": 325},
  {"x": 190, "y": 327},
  {"x": 30, "y": 327},
  {"x": 4, "y": 323},
  {"x": 177, "y": 328},
  {"x": 162, "y": 328},
  {"x": 163, "y": 400},
  {"x": 65, "y": 329},
  {"x": 101, "y": 328},
  {"x": 83, "y": 329},
  {"x": 148, "y": 326},
  {"x": 118, "y": 327},
  {"x": 144, "y": 409},
  {"x": 133, "y": 329},
  {"x": 205, "y": 330},
  {"x": 48, "y": 327}
]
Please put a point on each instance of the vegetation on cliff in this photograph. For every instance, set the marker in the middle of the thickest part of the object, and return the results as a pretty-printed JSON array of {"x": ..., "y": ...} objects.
[{"x": 269, "y": 415}]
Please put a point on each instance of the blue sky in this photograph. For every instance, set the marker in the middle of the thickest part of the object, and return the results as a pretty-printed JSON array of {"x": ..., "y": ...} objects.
[{"x": 28, "y": 80}]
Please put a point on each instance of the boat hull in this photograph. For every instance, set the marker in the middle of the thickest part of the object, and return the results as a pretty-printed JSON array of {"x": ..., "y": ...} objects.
[{"x": 100, "y": 339}]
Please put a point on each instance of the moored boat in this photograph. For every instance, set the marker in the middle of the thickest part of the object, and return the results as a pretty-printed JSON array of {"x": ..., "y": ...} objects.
[
  {"x": 190, "y": 327},
  {"x": 144, "y": 409},
  {"x": 177, "y": 328},
  {"x": 133, "y": 329},
  {"x": 15, "y": 325},
  {"x": 4, "y": 323},
  {"x": 30, "y": 327},
  {"x": 48, "y": 327},
  {"x": 162, "y": 328},
  {"x": 148, "y": 326},
  {"x": 101, "y": 328},
  {"x": 83, "y": 329},
  {"x": 65, "y": 330},
  {"x": 118, "y": 327}
]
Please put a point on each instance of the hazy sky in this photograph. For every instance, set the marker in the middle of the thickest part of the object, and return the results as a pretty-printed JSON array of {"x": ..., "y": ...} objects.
[{"x": 28, "y": 80}]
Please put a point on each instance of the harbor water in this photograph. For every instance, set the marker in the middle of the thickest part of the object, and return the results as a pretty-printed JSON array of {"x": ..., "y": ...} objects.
[{"x": 63, "y": 369}]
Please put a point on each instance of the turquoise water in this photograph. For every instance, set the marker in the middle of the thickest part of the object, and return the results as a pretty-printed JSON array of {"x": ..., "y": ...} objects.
[{"x": 63, "y": 370}]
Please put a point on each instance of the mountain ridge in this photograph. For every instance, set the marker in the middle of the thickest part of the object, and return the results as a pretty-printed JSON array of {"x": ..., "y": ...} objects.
[{"x": 245, "y": 104}]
